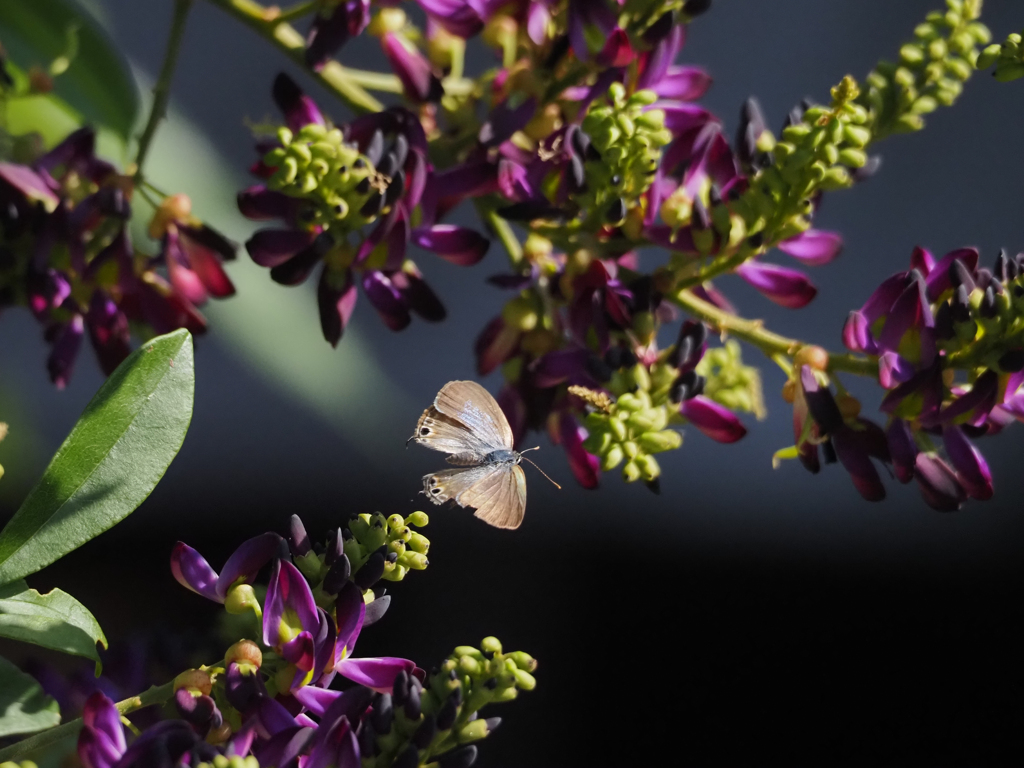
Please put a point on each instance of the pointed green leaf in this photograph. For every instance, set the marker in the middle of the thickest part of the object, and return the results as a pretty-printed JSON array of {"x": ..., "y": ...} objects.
[
  {"x": 24, "y": 708},
  {"x": 111, "y": 461},
  {"x": 97, "y": 82},
  {"x": 54, "y": 620}
]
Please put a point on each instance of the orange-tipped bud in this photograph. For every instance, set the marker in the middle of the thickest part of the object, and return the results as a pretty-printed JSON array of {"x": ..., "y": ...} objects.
[
  {"x": 244, "y": 651},
  {"x": 194, "y": 680},
  {"x": 813, "y": 356}
]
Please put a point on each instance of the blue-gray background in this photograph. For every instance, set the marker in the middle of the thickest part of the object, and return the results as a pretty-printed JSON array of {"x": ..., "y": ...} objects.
[{"x": 745, "y": 614}]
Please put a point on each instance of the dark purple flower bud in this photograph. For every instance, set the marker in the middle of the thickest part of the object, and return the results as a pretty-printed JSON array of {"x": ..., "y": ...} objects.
[
  {"x": 425, "y": 733},
  {"x": 271, "y": 247},
  {"x": 938, "y": 483},
  {"x": 585, "y": 467},
  {"x": 383, "y": 714},
  {"x": 408, "y": 758},
  {"x": 400, "y": 688},
  {"x": 286, "y": 745},
  {"x": 335, "y": 547},
  {"x": 243, "y": 689},
  {"x": 449, "y": 711},
  {"x": 960, "y": 305},
  {"x": 297, "y": 269},
  {"x": 200, "y": 711},
  {"x": 976, "y": 403},
  {"x": 939, "y": 278},
  {"x": 1004, "y": 269},
  {"x": 298, "y": 539},
  {"x": 412, "y": 706},
  {"x": 694, "y": 8},
  {"x": 575, "y": 175},
  {"x": 337, "y": 575},
  {"x": 616, "y": 212},
  {"x": 419, "y": 82},
  {"x": 820, "y": 403},
  {"x": 690, "y": 345},
  {"x": 459, "y": 245},
  {"x": 370, "y": 572},
  {"x": 971, "y": 468},
  {"x": 960, "y": 275},
  {"x": 903, "y": 449},
  {"x": 336, "y": 297},
  {"x": 944, "y": 325},
  {"x": 329, "y": 32},
  {"x": 527, "y": 210},
  {"x": 298, "y": 108},
  {"x": 464, "y": 757},
  {"x": 375, "y": 611}
]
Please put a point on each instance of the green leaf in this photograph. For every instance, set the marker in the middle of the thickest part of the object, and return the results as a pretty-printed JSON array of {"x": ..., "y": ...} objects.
[
  {"x": 54, "y": 620},
  {"x": 111, "y": 461},
  {"x": 98, "y": 82},
  {"x": 24, "y": 708}
]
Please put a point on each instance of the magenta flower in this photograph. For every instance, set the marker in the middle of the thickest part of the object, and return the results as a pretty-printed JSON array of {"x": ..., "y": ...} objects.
[
  {"x": 714, "y": 420},
  {"x": 290, "y": 620},
  {"x": 786, "y": 287},
  {"x": 419, "y": 82}
]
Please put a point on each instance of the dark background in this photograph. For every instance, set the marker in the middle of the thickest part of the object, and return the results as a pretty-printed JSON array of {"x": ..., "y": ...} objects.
[{"x": 745, "y": 616}]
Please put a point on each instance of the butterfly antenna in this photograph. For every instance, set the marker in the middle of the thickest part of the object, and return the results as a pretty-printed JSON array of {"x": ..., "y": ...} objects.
[{"x": 538, "y": 468}]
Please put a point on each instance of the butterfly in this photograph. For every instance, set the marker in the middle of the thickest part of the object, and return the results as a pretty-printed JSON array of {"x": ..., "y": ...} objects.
[{"x": 466, "y": 422}]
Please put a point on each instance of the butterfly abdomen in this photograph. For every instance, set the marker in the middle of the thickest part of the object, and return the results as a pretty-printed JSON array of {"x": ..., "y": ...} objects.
[{"x": 466, "y": 459}]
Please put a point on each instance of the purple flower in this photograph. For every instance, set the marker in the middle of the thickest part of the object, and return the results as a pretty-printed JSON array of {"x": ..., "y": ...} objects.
[
  {"x": 359, "y": 234},
  {"x": 290, "y": 621},
  {"x": 714, "y": 420},
  {"x": 332, "y": 27},
  {"x": 813, "y": 247},
  {"x": 193, "y": 572},
  {"x": 786, "y": 287},
  {"x": 419, "y": 82}
]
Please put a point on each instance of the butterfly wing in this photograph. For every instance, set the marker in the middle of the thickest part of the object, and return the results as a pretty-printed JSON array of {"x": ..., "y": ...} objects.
[
  {"x": 472, "y": 405},
  {"x": 496, "y": 491},
  {"x": 439, "y": 432}
]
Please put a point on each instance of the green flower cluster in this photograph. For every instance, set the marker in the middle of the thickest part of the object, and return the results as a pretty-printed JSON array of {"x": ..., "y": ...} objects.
[
  {"x": 220, "y": 761},
  {"x": 22, "y": 764},
  {"x": 731, "y": 383},
  {"x": 440, "y": 719},
  {"x": 319, "y": 166},
  {"x": 930, "y": 73},
  {"x": 1007, "y": 57},
  {"x": 634, "y": 425},
  {"x": 405, "y": 548},
  {"x": 628, "y": 138}
]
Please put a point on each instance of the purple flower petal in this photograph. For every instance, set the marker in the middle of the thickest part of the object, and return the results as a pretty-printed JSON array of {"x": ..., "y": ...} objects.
[
  {"x": 712, "y": 419},
  {"x": 683, "y": 84},
  {"x": 246, "y": 561},
  {"x": 193, "y": 572},
  {"x": 459, "y": 245},
  {"x": 585, "y": 466},
  {"x": 419, "y": 296},
  {"x": 376, "y": 673},
  {"x": 419, "y": 82},
  {"x": 285, "y": 745},
  {"x": 971, "y": 468},
  {"x": 336, "y": 297},
  {"x": 903, "y": 449},
  {"x": 856, "y": 335},
  {"x": 271, "y": 247},
  {"x": 33, "y": 186},
  {"x": 538, "y": 17},
  {"x": 316, "y": 700},
  {"x": 458, "y": 17},
  {"x": 855, "y": 459},
  {"x": 814, "y": 247},
  {"x": 298, "y": 108},
  {"x": 61, "y": 361},
  {"x": 938, "y": 483},
  {"x": 289, "y": 608},
  {"x": 351, "y": 612},
  {"x": 108, "y": 331},
  {"x": 101, "y": 742},
  {"x": 387, "y": 300},
  {"x": 938, "y": 279},
  {"x": 785, "y": 287},
  {"x": 975, "y": 403},
  {"x": 261, "y": 204},
  {"x": 922, "y": 260}
]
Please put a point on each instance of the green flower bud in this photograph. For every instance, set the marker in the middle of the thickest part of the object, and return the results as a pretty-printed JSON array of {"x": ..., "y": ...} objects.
[
  {"x": 854, "y": 158},
  {"x": 508, "y": 694},
  {"x": 631, "y": 472},
  {"x": 309, "y": 565},
  {"x": 597, "y": 443},
  {"x": 831, "y": 152},
  {"x": 856, "y": 135},
  {"x": 618, "y": 429},
  {"x": 417, "y": 542},
  {"x": 417, "y": 561},
  {"x": 837, "y": 177},
  {"x": 611, "y": 458},
  {"x": 490, "y": 645},
  {"x": 523, "y": 660},
  {"x": 657, "y": 442},
  {"x": 469, "y": 666},
  {"x": 241, "y": 598},
  {"x": 649, "y": 467},
  {"x": 631, "y": 449},
  {"x": 524, "y": 680},
  {"x": 641, "y": 377},
  {"x": 396, "y": 522}
]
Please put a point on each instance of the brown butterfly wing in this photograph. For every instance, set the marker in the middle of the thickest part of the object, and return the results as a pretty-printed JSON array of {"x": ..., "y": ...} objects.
[
  {"x": 472, "y": 405},
  {"x": 496, "y": 491}
]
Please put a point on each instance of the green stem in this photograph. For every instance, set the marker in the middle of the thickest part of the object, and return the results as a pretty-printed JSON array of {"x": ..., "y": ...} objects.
[
  {"x": 297, "y": 11},
  {"x": 336, "y": 78},
  {"x": 753, "y": 332},
  {"x": 503, "y": 231},
  {"x": 162, "y": 89},
  {"x": 155, "y": 695}
]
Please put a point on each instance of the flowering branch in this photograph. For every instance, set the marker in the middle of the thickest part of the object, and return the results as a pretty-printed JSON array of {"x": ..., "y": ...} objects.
[
  {"x": 753, "y": 332},
  {"x": 162, "y": 89}
]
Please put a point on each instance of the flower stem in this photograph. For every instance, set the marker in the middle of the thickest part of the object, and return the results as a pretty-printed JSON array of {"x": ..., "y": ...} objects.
[
  {"x": 264, "y": 21},
  {"x": 162, "y": 89},
  {"x": 155, "y": 695},
  {"x": 296, "y": 11},
  {"x": 500, "y": 227},
  {"x": 772, "y": 344}
]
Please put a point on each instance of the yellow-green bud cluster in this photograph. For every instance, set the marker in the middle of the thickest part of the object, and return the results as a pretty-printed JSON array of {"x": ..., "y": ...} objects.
[
  {"x": 22, "y": 764},
  {"x": 635, "y": 426},
  {"x": 396, "y": 534},
  {"x": 814, "y": 154},
  {"x": 729, "y": 382},
  {"x": 318, "y": 165},
  {"x": 446, "y": 711},
  {"x": 628, "y": 137},
  {"x": 930, "y": 72},
  {"x": 221, "y": 761},
  {"x": 1008, "y": 58}
]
